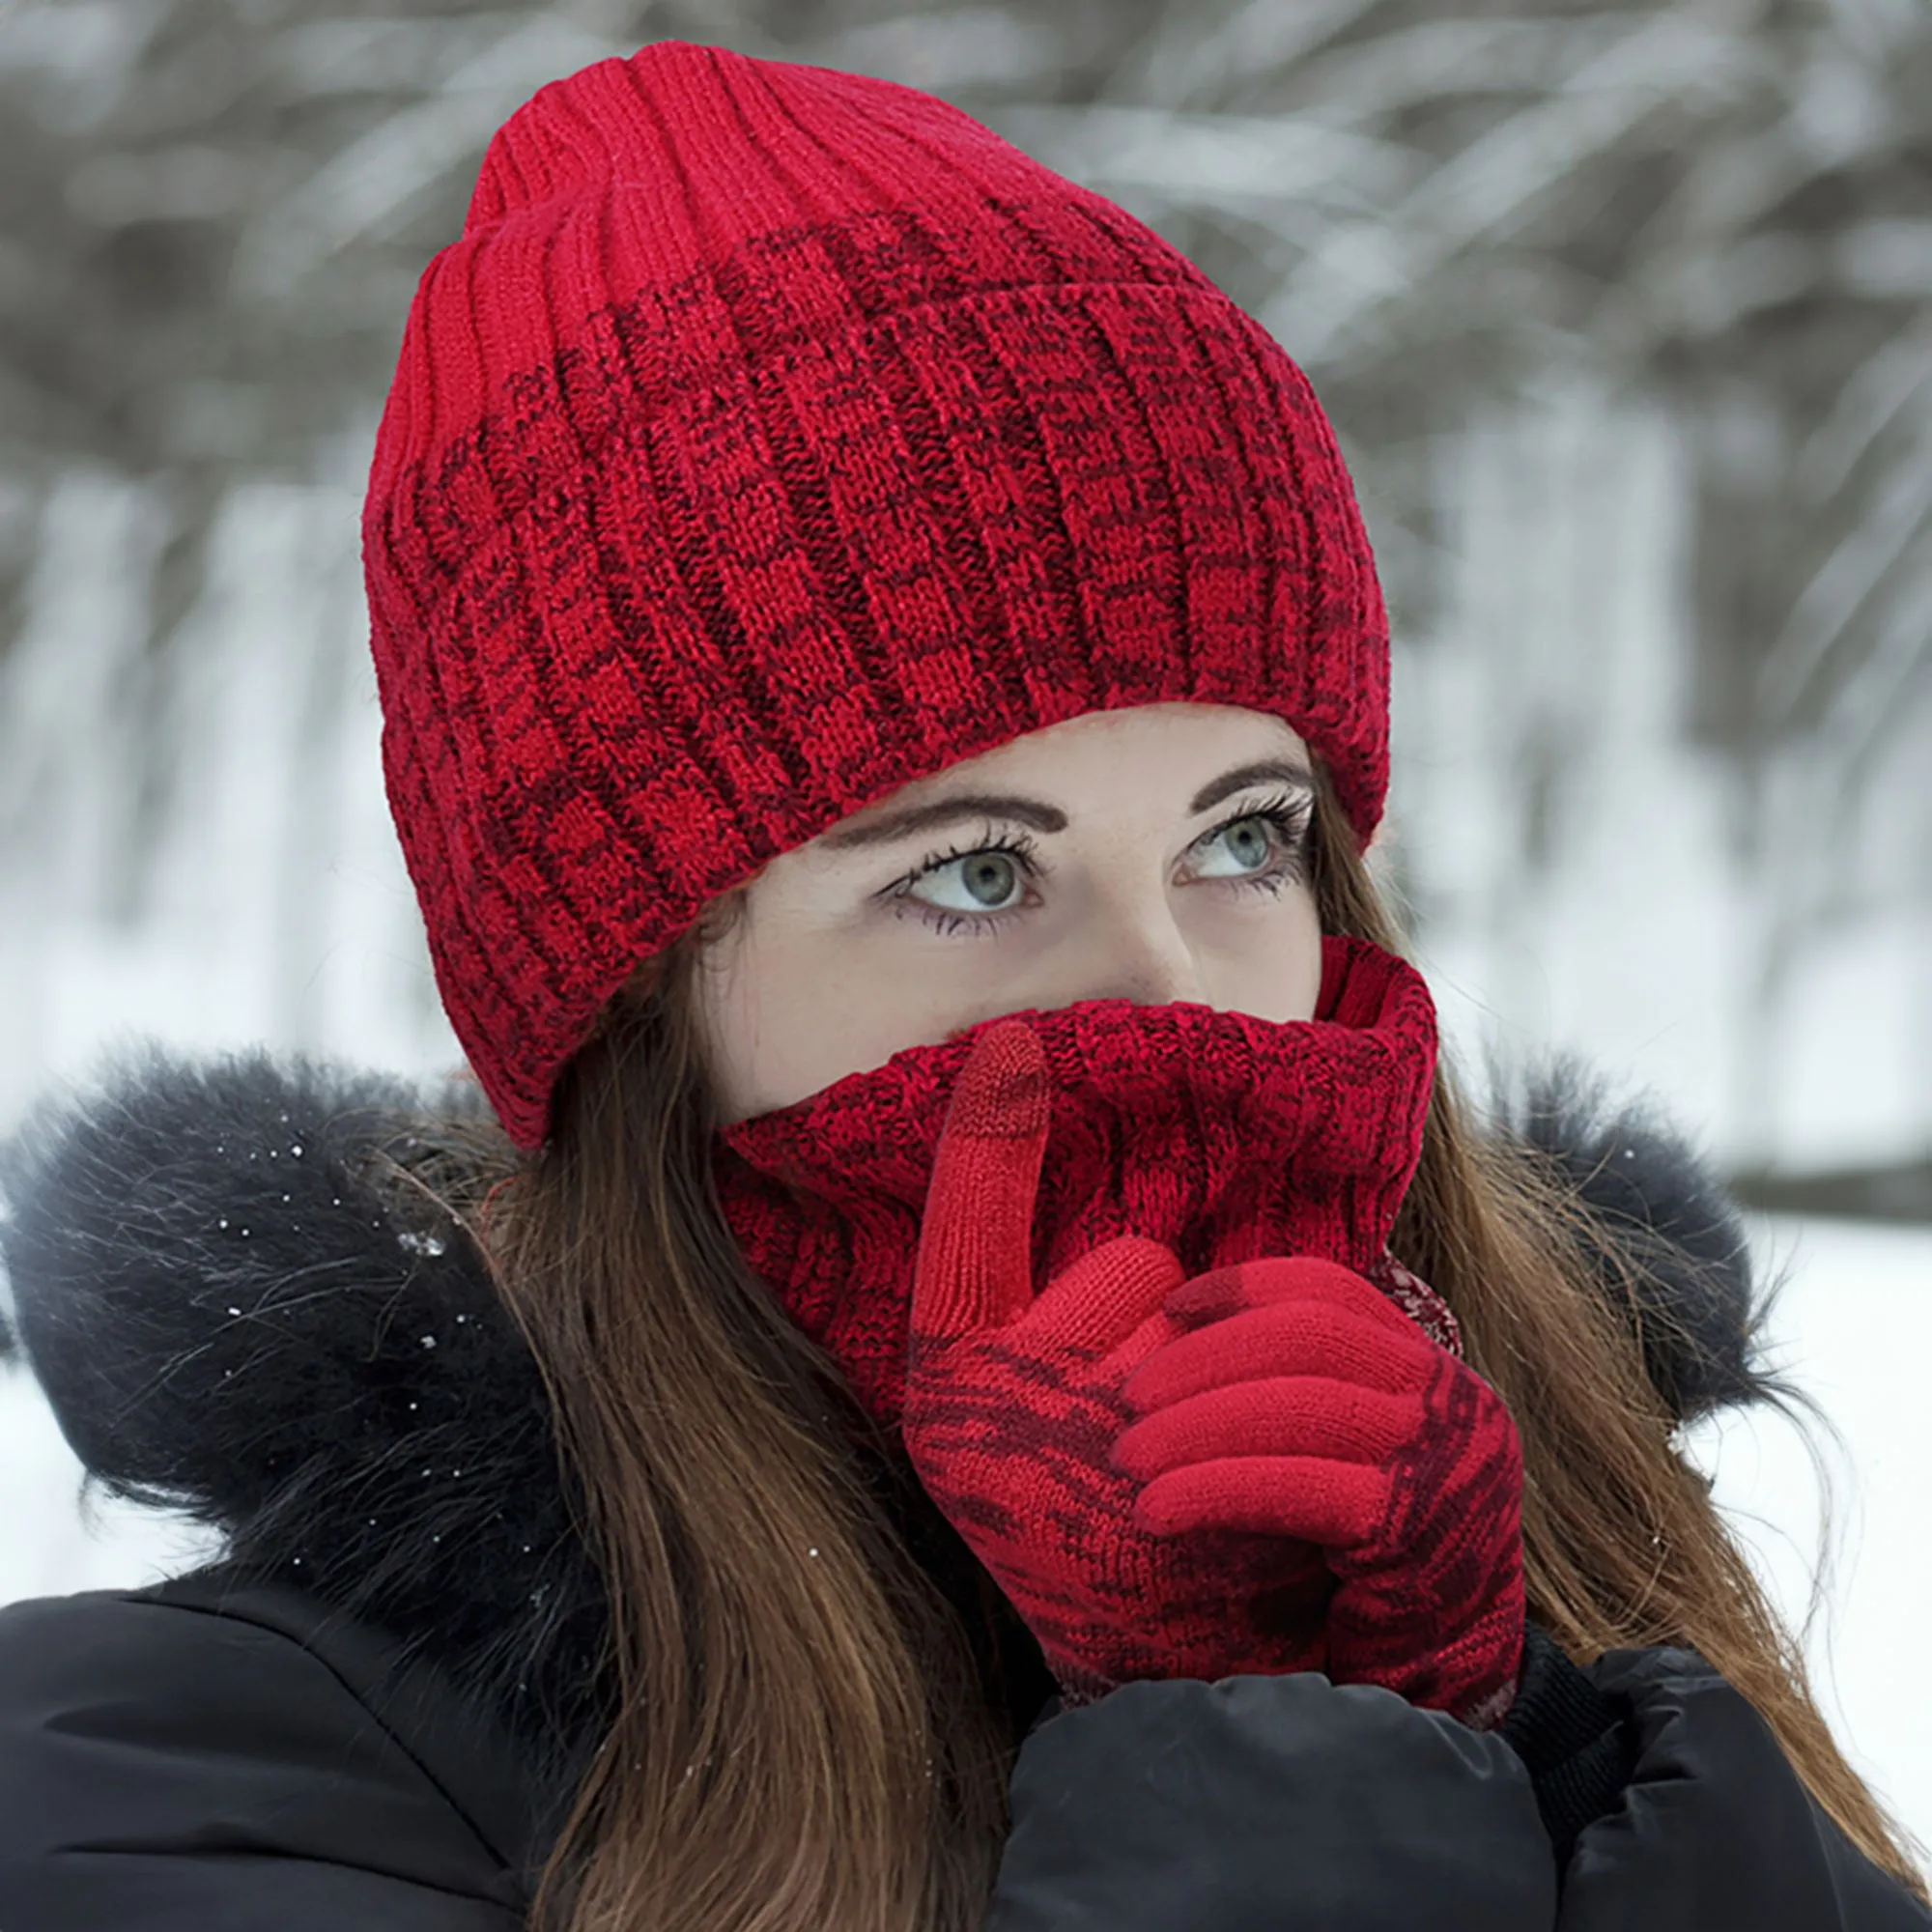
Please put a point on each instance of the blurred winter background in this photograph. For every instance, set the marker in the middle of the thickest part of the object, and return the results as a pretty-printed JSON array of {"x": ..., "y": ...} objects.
[{"x": 1621, "y": 313}]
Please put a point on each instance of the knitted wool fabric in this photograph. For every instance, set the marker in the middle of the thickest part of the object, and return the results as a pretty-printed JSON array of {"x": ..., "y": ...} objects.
[
  {"x": 772, "y": 439},
  {"x": 1225, "y": 1136}
]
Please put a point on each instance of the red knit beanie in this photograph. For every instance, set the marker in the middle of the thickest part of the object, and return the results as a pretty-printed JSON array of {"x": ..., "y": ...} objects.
[{"x": 774, "y": 438}]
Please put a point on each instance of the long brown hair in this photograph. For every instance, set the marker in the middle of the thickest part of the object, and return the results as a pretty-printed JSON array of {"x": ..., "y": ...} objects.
[{"x": 805, "y": 1736}]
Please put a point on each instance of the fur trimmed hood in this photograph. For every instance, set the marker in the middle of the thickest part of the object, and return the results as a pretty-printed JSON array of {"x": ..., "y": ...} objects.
[{"x": 233, "y": 1320}]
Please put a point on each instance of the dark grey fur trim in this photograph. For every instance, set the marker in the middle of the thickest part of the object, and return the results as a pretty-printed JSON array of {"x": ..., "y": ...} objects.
[
  {"x": 230, "y": 1319},
  {"x": 1700, "y": 1308}
]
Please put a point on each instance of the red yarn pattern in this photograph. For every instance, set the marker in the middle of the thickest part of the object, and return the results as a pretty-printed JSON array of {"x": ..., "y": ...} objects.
[
  {"x": 1294, "y": 1427},
  {"x": 772, "y": 439},
  {"x": 1012, "y": 1436},
  {"x": 1303, "y": 1404},
  {"x": 1222, "y": 1136}
]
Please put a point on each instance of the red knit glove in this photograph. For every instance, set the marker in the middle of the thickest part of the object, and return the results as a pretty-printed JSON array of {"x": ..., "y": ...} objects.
[
  {"x": 1306, "y": 1404},
  {"x": 1313, "y": 1419},
  {"x": 1013, "y": 1405}
]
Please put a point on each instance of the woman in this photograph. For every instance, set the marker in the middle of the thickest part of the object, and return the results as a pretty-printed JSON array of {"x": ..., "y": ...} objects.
[{"x": 878, "y": 1431}]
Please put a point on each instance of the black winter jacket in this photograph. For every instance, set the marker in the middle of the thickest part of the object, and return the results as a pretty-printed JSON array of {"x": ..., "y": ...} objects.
[{"x": 373, "y": 1710}]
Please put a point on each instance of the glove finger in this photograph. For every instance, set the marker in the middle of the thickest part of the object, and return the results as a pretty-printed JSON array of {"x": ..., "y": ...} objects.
[
  {"x": 1285, "y": 1415},
  {"x": 1154, "y": 1332},
  {"x": 975, "y": 1264},
  {"x": 1290, "y": 1339},
  {"x": 1337, "y": 1505},
  {"x": 1222, "y": 1291},
  {"x": 1109, "y": 1293}
]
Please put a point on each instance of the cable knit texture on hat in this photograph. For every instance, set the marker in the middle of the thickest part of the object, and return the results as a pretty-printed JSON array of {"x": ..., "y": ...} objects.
[{"x": 774, "y": 438}]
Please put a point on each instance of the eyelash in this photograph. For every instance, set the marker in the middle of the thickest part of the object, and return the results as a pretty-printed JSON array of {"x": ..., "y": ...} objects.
[{"x": 1290, "y": 813}]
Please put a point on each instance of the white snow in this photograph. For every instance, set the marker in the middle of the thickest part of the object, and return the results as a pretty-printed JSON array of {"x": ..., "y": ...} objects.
[
  {"x": 52, "y": 1547},
  {"x": 1853, "y": 1329}
]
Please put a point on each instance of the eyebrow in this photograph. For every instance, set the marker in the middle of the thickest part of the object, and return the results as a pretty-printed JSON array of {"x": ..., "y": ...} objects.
[{"x": 1037, "y": 814}]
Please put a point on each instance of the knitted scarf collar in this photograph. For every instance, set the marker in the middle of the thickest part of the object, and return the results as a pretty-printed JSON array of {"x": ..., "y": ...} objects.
[{"x": 1226, "y": 1136}]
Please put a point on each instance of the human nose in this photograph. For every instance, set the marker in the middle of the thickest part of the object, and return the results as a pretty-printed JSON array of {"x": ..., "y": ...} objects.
[{"x": 1136, "y": 952}]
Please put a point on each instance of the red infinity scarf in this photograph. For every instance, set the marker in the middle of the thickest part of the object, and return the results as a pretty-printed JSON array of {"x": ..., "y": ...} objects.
[{"x": 1225, "y": 1136}]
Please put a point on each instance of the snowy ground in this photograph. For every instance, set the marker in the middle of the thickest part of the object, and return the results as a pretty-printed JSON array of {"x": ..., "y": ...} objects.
[{"x": 1853, "y": 1329}]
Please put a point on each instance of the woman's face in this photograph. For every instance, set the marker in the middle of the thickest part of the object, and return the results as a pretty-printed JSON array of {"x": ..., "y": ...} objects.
[{"x": 1152, "y": 854}]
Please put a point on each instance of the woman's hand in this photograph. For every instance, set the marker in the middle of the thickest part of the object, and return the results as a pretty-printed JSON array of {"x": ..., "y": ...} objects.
[
  {"x": 1306, "y": 1404},
  {"x": 1164, "y": 1498},
  {"x": 1014, "y": 1402}
]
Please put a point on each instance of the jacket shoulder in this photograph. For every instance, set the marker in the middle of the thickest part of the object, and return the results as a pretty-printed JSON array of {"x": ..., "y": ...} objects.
[
  {"x": 1262, "y": 1803},
  {"x": 1715, "y": 1827},
  {"x": 174, "y": 1756}
]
